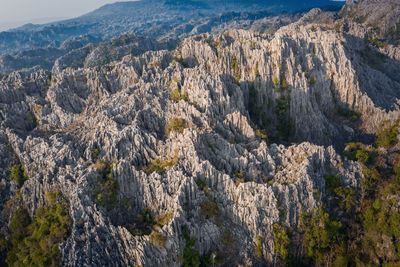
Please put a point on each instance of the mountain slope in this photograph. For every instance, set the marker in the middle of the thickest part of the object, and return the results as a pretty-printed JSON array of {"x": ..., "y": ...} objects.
[
  {"x": 382, "y": 16},
  {"x": 165, "y": 146}
]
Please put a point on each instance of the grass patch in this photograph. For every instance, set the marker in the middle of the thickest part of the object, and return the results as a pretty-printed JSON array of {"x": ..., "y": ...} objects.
[
  {"x": 259, "y": 248},
  {"x": 176, "y": 125},
  {"x": 158, "y": 239},
  {"x": 160, "y": 166}
]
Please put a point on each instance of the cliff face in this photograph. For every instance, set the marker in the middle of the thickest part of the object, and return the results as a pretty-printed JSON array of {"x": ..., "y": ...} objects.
[
  {"x": 384, "y": 16},
  {"x": 199, "y": 110},
  {"x": 316, "y": 67}
]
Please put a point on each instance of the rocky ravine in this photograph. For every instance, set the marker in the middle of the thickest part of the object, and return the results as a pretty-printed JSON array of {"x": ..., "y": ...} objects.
[{"x": 306, "y": 71}]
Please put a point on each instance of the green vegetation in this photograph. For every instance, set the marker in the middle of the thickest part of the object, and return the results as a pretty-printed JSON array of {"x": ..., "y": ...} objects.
[
  {"x": 376, "y": 42},
  {"x": 144, "y": 225},
  {"x": 338, "y": 26},
  {"x": 95, "y": 154},
  {"x": 347, "y": 197},
  {"x": 33, "y": 121},
  {"x": 235, "y": 68},
  {"x": 240, "y": 178},
  {"x": 36, "y": 243},
  {"x": 259, "y": 248},
  {"x": 313, "y": 80},
  {"x": 163, "y": 219},
  {"x": 158, "y": 239},
  {"x": 347, "y": 113},
  {"x": 253, "y": 107},
  {"x": 373, "y": 58},
  {"x": 176, "y": 125},
  {"x": 18, "y": 174},
  {"x": 275, "y": 80},
  {"x": 106, "y": 190},
  {"x": 262, "y": 133},
  {"x": 177, "y": 94},
  {"x": 191, "y": 256},
  {"x": 284, "y": 126},
  {"x": 282, "y": 237},
  {"x": 394, "y": 33},
  {"x": 320, "y": 234},
  {"x": 331, "y": 182},
  {"x": 362, "y": 156},
  {"x": 284, "y": 85},
  {"x": 367, "y": 229},
  {"x": 202, "y": 185},
  {"x": 358, "y": 152},
  {"x": 388, "y": 137},
  {"x": 256, "y": 72},
  {"x": 160, "y": 166},
  {"x": 381, "y": 223},
  {"x": 209, "y": 209}
]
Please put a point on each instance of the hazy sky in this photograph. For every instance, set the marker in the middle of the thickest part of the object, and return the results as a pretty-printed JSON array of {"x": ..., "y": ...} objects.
[{"x": 14, "y": 12}]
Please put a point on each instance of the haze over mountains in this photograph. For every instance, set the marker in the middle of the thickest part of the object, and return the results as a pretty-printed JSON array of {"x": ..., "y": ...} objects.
[
  {"x": 148, "y": 17},
  {"x": 213, "y": 133}
]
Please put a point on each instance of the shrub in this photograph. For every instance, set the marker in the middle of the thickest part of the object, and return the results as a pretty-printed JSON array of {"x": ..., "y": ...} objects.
[
  {"x": 347, "y": 197},
  {"x": 191, "y": 256},
  {"x": 33, "y": 121},
  {"x": 373, "y": 58},
  {"x": 282, "y": 241},
  {"x": 18, "y": 174},
  {"x": 338, "y": 26},
  {"x": 177, "y": 95},
  {"x": 95, "y": 154},
  {"x": 275, "y": 80},
  {"x": 240, "y": 177},
  {"x": 340, "y": 261},
  {"x": 256, "y": 72},
  {"x": 201, "y": 184},
  {"x": 263, "y": 135},
  {"x": 320, "y": 234},
  {"x": 160, "y": 166},
  {"x": 164, "y": 218},
  {"x": 144, "y": 225},
  {"x": 388, "y": 137},
  {"x": 284, "y": 84},
  {"x": 378, "y": 43},
  {"x": 354, "y": 151},
  {"x": 259, "y": 249},
  {"x": 156, "y": 166},
  {"x": 284, "y": 126},
  {"x": 235, "y": 68},
  {"x": 347, "y": 113},
  {"x": 158, "y": 239},
  {"x": 36, "y": 243},
  {"x": 313, "y": 80},
  {"x": 362, "y": 156},
  {"x": 370, "y": 178},
  {"x": 176, "y": 125},
  {"x": 106, "y": 190},
  {"x": 209, "y": 209}
]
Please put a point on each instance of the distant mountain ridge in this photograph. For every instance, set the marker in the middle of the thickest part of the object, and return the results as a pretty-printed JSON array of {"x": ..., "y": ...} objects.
[{"x": 152, "y": 17}]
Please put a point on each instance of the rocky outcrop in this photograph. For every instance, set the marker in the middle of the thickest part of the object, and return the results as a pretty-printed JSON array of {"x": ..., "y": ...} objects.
[{"x": 222, "y": 179}]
